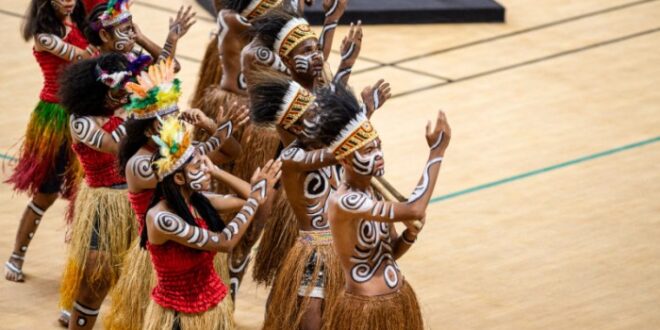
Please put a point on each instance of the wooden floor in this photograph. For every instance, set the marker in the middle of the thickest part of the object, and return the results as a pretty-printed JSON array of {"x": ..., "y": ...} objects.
[{"x": 547, "y": 211}]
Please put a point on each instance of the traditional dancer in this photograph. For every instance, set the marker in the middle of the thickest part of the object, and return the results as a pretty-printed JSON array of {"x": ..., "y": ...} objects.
[
  {"x": 103, "y": 224},
  {"x": 112, "y": 29},
  {"x": 156, "y": 95},
  {"x": 376, "y": 296},
  {"x": 310, "y": 278},
  {"x": 233, "y": 23},
  {"x": 46, "y": 166},
  {"x": 184, "y": 232}
]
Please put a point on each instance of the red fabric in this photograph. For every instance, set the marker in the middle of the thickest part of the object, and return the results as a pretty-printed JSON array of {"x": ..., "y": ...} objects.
[
  {"x": 90, "y": 4},
  {"x": 187, "y": 281},
  {"x": 51, "y": 65},
  {"x": 101, "y": 168},
  {"x": 140, "y": 203}
]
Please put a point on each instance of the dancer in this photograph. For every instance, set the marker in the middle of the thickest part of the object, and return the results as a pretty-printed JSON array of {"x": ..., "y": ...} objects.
[
  {"x": 233, "y": 23},
  {"x": 310, "y": 278},
  {"x": 184, "y": 231},
  {"x": 103, "y": 224},
  {"x": 155, "y": 97},
  {"x": 46, "y": 166},
  {"x": 376, "y": 296},
  {"x": 112, "y": 29}
]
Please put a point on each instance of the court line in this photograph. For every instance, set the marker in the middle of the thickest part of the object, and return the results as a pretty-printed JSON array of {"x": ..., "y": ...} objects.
[
  {"x": 10, "y": 13},
  {"x": 529, "y": 62},
  {"x": 545, "y": 170},
  {"x": 523, "y": 31}
]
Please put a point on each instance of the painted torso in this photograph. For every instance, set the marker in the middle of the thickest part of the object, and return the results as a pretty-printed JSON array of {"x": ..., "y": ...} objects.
[{"x": 365, "y": 248}]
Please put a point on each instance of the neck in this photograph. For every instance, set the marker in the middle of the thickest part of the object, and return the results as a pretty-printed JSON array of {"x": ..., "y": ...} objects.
[
  {"x": 304, "y": 80},
  {"x": 356, "y": 181}
]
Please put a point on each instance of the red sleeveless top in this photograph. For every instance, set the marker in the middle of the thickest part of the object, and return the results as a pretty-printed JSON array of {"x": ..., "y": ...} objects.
[
  {"x": 140, "y": 204},
  {"x": 51, "y": 65},
  {"x": 101, "y": 168},
  {"x": 187, "y": 281}
]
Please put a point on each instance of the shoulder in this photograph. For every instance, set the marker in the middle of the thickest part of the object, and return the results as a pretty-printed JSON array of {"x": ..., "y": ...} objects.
[
  {"x": 354, "y": 202},
  {"x": 140, "y": 166}
]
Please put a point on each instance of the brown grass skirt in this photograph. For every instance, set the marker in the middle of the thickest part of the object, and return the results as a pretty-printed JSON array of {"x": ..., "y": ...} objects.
[
  {"x": 131, "y": 296},
  {"x": 217, "y": 318},
  {"x": 285, "y": 309},
  {"x": 117, "y": 228},
  {"x": 210, "y": 71},
  {"x": 395, "y": 311}
]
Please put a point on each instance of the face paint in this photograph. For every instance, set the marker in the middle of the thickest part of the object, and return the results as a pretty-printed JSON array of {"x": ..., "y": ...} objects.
[
  {"x": 365, "y": 164},
  {"x": 303, "y": 62},
  {"x": 62, "y": 7},
  {"x": 123, "y": 40},
  {"x": 197, "y": 177}
]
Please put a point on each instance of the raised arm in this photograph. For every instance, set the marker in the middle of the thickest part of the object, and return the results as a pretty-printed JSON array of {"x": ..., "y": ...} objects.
[
  {"x": 334, "y": 10},
  {"x": 359, "y": 205},
  {"x": 172, "y": 227},
  {"x": 179, "y": 26},
  {"x": 297, "y": 159},
  {"x": 350, "y": 50},
  {"x": 222, "y": 131},
  {"x": 375, "y": 96},
  {"x": 86, "y": 130},
  {"x": 55, "y": 45}
]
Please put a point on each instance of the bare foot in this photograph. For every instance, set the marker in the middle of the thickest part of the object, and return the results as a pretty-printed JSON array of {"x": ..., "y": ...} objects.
[{"x": 13, "y": 268}]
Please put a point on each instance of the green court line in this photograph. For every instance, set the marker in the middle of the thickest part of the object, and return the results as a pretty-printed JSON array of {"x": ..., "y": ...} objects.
[
  {"x": 3, "y": 156},
  {"x": 544, "y": 170}
]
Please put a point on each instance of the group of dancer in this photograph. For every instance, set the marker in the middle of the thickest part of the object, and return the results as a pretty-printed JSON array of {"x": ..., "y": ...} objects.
[{"x": 276, "y": 149}]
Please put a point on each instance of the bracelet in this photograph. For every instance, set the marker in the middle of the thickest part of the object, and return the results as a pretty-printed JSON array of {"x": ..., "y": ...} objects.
[{"x": 407, "y": 241}]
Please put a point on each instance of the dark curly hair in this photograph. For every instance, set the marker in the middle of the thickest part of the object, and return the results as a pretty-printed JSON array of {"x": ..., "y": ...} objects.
[
  {"x": 92, "y": 18},
  {"x": 80, "y": 91},
  {"x": 236, "y": 5},
  {"x": 41, "y": 17},
  {"x": 169, "y": 191},
  {"x": 266, "y": 93},
  {"x": 133, "y": 141},
  {"x": 339, "y": 106}
]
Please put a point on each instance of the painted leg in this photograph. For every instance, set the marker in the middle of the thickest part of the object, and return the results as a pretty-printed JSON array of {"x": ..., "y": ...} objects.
[
  {"x": 26, "y": 230},
  {"x": 90, "y": 297},
  {"x": 311, "y": 319}
]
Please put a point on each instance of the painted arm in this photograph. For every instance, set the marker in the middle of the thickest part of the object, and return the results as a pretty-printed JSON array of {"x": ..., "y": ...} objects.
[
  {"x": 265, "y": 57},
  {"x": 334, "y": 10},
  {"x": 242, "y": 188},
  {"x": 405, "y": 240},
  {"x": 230, "y": 150},
  {"x": 375, "y": 96},
  {"x": 359, "y": 205},
  {"x": 179, "y": 26},
  {"x": 297, "y": 159},
  {"x": 55, "y": 45},
  {"x": 174, "y": 228},
  {"x": 85, "y": 130},
  {"x": 139, "y": 174},
  {"x": 222, "y": 132},
  {"x": 350, "y": 50}
]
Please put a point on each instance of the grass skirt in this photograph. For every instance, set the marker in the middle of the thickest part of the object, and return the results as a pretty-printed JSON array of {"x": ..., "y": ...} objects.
[
  {"x": 285, "y": 309},
  {"x": 279, "y": 236},
  {"x": 395, "y": 311},
  {"x": 217, "y": 318},
  {"x": 117, "y": 228},
  {"x": 47, "y": 136},
  {"x": 210, "y": 71},
  {"x": 131, "y": 296}
]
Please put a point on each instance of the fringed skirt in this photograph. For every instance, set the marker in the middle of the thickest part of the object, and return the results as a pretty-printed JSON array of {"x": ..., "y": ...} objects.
[
  {"x": 46, "y": 163},
  {"x": 103, "y": 223},
  {"x": 217, "y": 318},
  {"x": 395, "y": 311},
  {"x": 311, "y": 269},
  {"x": 210, "y": 72},
  {"x": 279, "y": 236},
  {"x": 131, "y": 296}
]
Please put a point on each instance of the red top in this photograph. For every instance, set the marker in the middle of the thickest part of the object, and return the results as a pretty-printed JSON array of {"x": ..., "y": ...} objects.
[
  {"x": 51, "y": 65},
  {"x": 101, "y": 168},
  {"x": 90, "y": 4},
  {"x": 140, "y": 204},
  {"x": 187, "y": 281}
]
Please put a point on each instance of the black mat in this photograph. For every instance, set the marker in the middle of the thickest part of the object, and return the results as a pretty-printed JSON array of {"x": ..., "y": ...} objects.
[{"x": 407, "y": 11}]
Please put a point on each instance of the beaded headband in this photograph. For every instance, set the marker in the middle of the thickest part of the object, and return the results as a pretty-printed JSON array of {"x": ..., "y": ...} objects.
[
  {"x": 257, "y": 8},
  {"x": 292, "y": 34},
  {"x": 354, "y": 136}
]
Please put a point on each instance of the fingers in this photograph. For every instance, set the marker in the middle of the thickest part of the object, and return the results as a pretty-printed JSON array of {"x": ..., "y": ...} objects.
[
  {"x": 255, "y": 175},
  {"x": 428, "y": 128},
  {"x": 379, "y": 82},
  {"x": 358, "y": 32}
]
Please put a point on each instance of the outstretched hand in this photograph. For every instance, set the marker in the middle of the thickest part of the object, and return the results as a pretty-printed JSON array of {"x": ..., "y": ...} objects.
[
  {"x": 264, "y": 179},
  {"x": 438, "y": 137},
  {"x": 375, "y": 96},
  {"x": 180, "y": 25},
  {"x": 238, "y": 115}
]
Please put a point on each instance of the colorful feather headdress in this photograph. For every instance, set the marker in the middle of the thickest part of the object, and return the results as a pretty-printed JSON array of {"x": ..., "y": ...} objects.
[
  {"x": 115, "y": 14},
  {"x": 156, "y": 92},
  {"x": 174, "y": 145}
]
